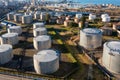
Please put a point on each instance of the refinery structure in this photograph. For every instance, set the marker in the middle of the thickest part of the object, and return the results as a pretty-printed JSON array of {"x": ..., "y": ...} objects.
[{"x": 59, "y": 40}]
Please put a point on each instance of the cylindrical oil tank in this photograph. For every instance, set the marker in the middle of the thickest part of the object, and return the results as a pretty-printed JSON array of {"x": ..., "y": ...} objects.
[
  {"x": 104, "y": 15},
  {"x": 43, "y": 16},
  {"x": 10, "y": 16},
  {"x": 5, "y": 53},
  {"x": 80, "y": 24},
  {"x": 27, "y": 19},
  {"x": 78, "y": 16},
  {"x": 15, "y": 29},
  {"x": 46, "y": 62},
  {"x": 92, "y": 16},
  {"x": 32, "y": 14},
  {"x": 42, "y": 42},
  {"x": 106, "y": 19},
  {"x": 39, "y": 31},
  {"x": 37, "y": 15},
  {"x": 26, "y": 13},
  {"x": 9, "y": 38},
  {"x": 76, "y": 20},
  {"x": 38, "y": 25},
  {"x": 67, "y": 18},
  {"x": 111, "y": 56},
  {"x": 18, "y": 17},
  {"x": 90, "y": 38}
]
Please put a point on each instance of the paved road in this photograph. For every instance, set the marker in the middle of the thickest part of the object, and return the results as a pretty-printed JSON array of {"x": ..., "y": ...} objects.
[{"x": 7, "y": 77}]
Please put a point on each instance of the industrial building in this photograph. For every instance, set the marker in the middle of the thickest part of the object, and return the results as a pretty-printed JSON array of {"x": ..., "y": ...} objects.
[
  {"x": 9, "y": 38},
  {"x": 111, "y": 56},
  {"x": 15, "y": 29},
  {"x": 5, "y": 53},
  {"x": 90, "y": 38},
  {"x": 42, "y": 42},
  {"x": 46, "y": 62},
  {"x": 39, "y": 31}
]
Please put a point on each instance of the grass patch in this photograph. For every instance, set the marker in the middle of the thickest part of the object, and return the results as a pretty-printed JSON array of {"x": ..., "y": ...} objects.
[
  {"x": 71, "y": 57},
  {"x": 59, "y": 41},
  {"x": 52, "y": 33}
]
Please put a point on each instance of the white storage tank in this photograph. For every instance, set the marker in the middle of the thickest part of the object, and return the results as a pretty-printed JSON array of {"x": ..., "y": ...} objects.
[
  {"x": 9, "y": 38},
  {"x": 38, "y": 25},
  {"x": 37, "y": 15},
  {"x": 27, "y": 19},
  {"x": 10, "y": 16},
  {"x": 90, "y": 38},
  {"x": 26, "y": 13},
  {"x": 46, "y": 62},
  {"x": 105, "y": 18},
  {"x": 39, "y": 31},
  {"x": 111, "y": 56},
  {"x": 18, "y": 17},
  {"x": 32, "y": 14},
  {"x": 76, "y": 20},
  {"x": 92, "y": 16},
  {"x": 5, "y": 53},
  {"x": 43, "y": 16},
  {"x": 42, "y": 42},
  {"x": 78, "y": 16},
  {"x": 15, "y": 29},
  {"x": 104, "y": 15}
]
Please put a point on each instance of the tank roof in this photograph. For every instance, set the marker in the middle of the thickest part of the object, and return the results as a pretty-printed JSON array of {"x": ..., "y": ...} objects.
[
  {"x": 114, "y": 45},
  {"x": 40, "y": 29},
  {"x": 42, "y": 38},
  {"x": 18, "y": 14},
  {"x": 39, "y": 23},
  {"x": 9, "y": 34},
  {"x": 104, "y": 15},
  {"x": 14, "y": 27},
  {"x": 91, "y": 31},
  {"x": 46, "y": 55},
  {"x": 27, "y": 15},
  {"x": 5, "y": 47}
]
